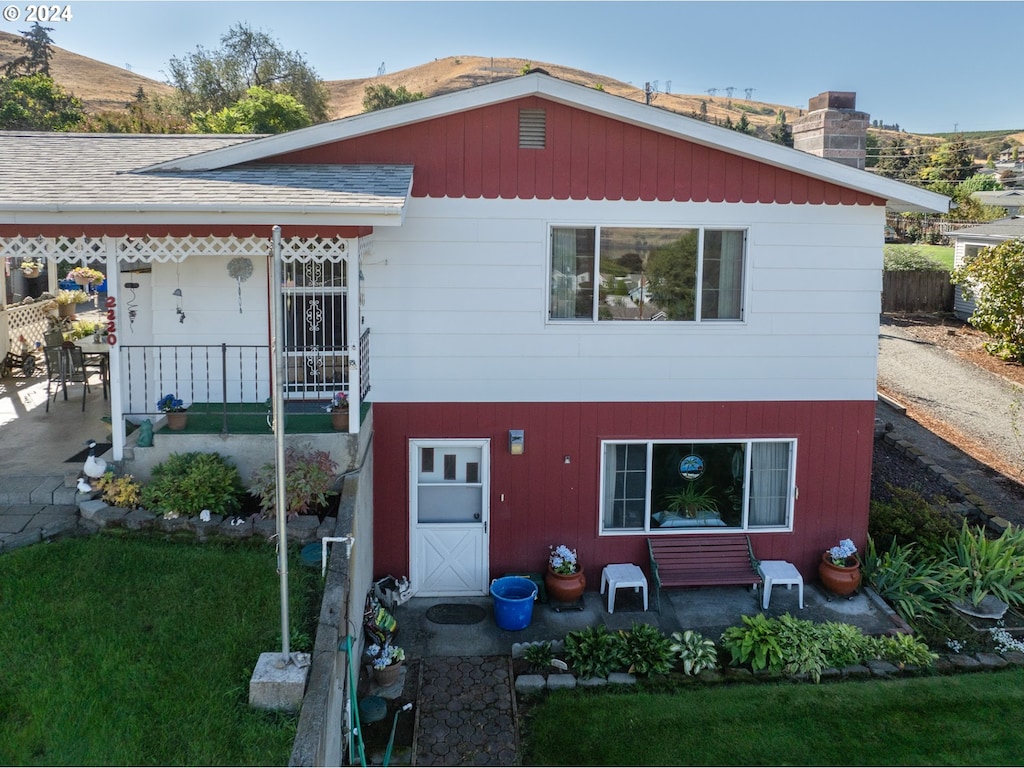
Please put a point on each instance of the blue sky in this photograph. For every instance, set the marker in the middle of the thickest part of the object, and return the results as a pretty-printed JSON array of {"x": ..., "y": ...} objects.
[{"x": 928, "y": 66}]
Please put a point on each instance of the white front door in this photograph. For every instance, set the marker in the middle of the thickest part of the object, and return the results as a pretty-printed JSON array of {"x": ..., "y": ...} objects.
[{"x": 449, "y": 482}]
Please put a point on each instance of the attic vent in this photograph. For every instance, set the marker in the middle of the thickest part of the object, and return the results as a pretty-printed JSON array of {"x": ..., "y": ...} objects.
[{"x": 532, "y": 128}]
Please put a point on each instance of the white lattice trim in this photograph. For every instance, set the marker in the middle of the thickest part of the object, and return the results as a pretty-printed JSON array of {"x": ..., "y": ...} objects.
[
  {"x": 173, "y": 249},
  {"x": 73, "y": 249}
]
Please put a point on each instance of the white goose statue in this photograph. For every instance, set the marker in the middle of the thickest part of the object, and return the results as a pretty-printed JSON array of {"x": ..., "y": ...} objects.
[{"x": 94, "y": 465}]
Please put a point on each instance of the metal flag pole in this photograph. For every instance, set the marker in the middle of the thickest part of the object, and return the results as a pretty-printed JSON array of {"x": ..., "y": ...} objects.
[{"x": 277, "y": 410}]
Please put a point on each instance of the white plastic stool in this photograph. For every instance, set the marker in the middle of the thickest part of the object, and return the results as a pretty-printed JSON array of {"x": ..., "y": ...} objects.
[
  {"x": 619, "y": 575},
  {"x": 779, "y": 572}
]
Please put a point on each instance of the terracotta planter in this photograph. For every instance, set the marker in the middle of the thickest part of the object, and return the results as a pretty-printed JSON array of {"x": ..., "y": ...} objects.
[
  {"x": 839, "y": 579},
  {"x": 177, "y": 420},
  {"x": 388, "y": 675},
  {"x": 83, "y": 281},
  {"x": 339, "y": 420},
  {"x": 565, "y": 588},
  {"x": 66, "y": 310},
  {"x": 30, "y": 272}
]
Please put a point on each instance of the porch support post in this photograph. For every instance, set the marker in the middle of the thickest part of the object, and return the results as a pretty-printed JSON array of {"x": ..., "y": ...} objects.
[
  {"x": 113, "y": 309},
  {"x": 354, "y": 332}
]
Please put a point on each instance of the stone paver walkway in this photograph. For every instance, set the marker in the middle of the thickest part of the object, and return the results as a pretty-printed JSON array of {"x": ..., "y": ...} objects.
[{"x": 467, "y": 712}]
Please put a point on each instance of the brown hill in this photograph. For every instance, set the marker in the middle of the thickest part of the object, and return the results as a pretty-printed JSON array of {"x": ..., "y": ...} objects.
[
  {"x": 457, "y": 72},
  {"x": 100, "y": 86}
]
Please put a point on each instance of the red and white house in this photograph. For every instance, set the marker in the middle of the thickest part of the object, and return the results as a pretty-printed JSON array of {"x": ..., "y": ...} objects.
[{"x": 574, "y": 307}]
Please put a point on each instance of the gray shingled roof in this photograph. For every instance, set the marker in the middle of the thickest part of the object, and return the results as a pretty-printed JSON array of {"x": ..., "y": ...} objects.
[
  {"x": 54, "y": 171},
  {"x": 1012, "y": 226}
]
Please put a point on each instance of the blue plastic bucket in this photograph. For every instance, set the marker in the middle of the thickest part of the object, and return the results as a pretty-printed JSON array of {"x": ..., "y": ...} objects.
[{"x": 513, "y": 601}]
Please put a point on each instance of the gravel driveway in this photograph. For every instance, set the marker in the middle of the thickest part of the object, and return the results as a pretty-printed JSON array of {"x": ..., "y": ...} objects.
[{"x": 969, "y": 399}]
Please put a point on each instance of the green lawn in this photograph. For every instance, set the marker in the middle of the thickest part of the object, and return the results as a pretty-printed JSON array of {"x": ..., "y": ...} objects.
[
  {"x": 940, "y": 253},
  {"x": 966, "y": 719},
  {"x": 125, "y": 649}
]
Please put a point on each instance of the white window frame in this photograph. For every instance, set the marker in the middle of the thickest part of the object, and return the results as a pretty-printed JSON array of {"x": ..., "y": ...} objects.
[
  {"x": 648, "y": 530},
  {"x": 699, "y": 277}
]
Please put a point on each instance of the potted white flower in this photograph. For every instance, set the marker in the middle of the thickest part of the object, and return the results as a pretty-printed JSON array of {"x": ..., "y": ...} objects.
[
  {"x": 564, "y": 579},
  {"x": 839, "y": 568},
  {"x": 387, "y": 662},
  {"x": 85, "y": 275}
]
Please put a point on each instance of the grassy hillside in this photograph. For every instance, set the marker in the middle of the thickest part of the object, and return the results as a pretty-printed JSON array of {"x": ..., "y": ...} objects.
[
  {"x": 105, "y": 87},
  {"x": 100, "y": 86}
]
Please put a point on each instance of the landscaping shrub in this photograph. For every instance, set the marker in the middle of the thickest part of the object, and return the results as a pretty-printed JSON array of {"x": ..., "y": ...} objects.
[
  {"x": 594, "y": 652},
  {"x": 309, "y": 480},
  {"x": 915, "y": 585},
  {"x": 123, "y": 491},
  {"x": 188, "y": 483},
  {"x": 977, "y": 566},
  {"x": 906, "y": 258},
  {"x": 787, "y": 645},
  {"x": 908, "y": 518},
  {"x": 695, "y": 652},
  {"x": 646, "y": 651}
]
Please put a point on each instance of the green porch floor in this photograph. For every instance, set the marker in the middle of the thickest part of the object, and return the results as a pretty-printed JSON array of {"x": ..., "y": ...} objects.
[{"x": 251, "y": 419}]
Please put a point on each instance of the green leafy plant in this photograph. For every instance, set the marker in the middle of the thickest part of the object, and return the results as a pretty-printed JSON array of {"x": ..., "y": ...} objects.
[
  {"x": 187, "y": 483},
  {"x": 996, "y": 277},
  {"x": 979, "y": 566},
  {"x": 903, "y": 650},
  {"x": 755, "y": 643},
  {"x": 66, "y": 298},
  {"x": 695, "y": 652},
  {"x": 646, "y": 651},
  {"x": 690, "y": 500},
  {"x": 593, "y": 651},
  {"x": 842, "y": 645},
  {"x": 122, "y": 491},
  {"x": 912, "y": 583},
  {"x": 908, "y": 518},
  {"x": 308, "y": 481},
  {"x": 539, "y": 655}
]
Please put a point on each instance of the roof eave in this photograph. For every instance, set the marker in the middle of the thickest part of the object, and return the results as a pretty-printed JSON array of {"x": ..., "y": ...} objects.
[
  {"x": 379, "y": 216},
  {"x": 899, "y": 196}
]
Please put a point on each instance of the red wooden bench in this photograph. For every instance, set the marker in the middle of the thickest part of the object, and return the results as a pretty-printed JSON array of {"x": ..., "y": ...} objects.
[{"x": 702, "y": 561}]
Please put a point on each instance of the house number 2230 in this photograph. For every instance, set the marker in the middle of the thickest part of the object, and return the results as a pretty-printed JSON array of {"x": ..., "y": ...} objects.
[{"x": 111, "y": 320}]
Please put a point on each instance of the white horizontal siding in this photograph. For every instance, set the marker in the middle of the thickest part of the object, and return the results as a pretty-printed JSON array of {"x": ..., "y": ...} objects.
[{"x": 457, "y": 300}]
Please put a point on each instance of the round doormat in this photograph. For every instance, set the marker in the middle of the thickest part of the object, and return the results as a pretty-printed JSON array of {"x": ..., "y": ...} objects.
[{"x": 456, "y": 613}]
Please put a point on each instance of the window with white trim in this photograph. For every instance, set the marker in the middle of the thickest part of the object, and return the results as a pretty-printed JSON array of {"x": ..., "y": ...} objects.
[
  {"x": 646, "y": 273},
  {"x": 683, "y": 486}
]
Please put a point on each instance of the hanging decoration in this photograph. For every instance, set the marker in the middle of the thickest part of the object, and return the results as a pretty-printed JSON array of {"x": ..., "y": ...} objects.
[
  {"x": 240, "y": 268},
  {"x": 177, "y": 292}
]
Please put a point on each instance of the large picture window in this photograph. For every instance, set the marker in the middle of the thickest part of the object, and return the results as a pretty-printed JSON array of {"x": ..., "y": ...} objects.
[
  {"x": 680, "y": 486},
  {"x": 642, "y": 273}
]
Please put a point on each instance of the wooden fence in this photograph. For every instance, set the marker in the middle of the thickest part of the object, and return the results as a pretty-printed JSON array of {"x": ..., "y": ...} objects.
[{"x": 916, "y": 291}]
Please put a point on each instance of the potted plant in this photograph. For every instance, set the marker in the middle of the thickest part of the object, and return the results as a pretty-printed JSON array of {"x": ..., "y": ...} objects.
[
  {"x": 67, "y": 301},
  {"x": 839, "y": 568},
  {"x": 387, "y": 662},
  {"x": 176, "y": 410},
  {"x": 85, "y": 275},
  {"x": 31, "y": 268},
  {"x": 564, "y": 579},
  {"x": 338, "y": 408},
  {"x": 690, "y": 500}
]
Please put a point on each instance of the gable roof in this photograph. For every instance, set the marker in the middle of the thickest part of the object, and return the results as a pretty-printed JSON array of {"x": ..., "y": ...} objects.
[
  {"x": 898, "y": 195},
  {"x": 48, "y": 178},
  {"x": 1000, "y": 229}
]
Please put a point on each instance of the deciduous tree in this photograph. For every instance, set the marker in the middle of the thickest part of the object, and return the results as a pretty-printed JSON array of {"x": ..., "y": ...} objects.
[
  {"x": 379, "y": 96},
  {"x": 259, "y": 111},
  {"x": 210, "y": 81},
  {"x": 996, "y": 278}
]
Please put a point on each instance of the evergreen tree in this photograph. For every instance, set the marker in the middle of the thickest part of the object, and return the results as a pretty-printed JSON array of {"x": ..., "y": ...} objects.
[
  {"x": 39, "y": 51},
  {"x": 781, "y": 133}
]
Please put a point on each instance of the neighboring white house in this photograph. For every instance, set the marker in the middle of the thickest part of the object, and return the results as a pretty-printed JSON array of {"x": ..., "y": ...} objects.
[
  {"x": 438, "y": 261},
  {"x": 967, "y": 242}
]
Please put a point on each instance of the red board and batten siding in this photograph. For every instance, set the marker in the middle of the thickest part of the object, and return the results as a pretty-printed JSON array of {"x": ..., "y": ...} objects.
[
  {"x": 547, "y": 501},
  {"x": 476, "y": 154}
]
